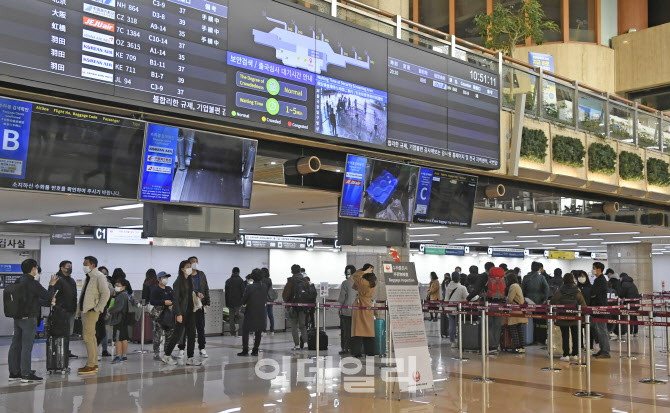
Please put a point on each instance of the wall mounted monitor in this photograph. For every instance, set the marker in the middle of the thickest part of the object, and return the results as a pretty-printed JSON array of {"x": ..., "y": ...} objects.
[
  {"x": 189, "y": 167},
  {"x": 445, "y": 198},
  {"x": 60, "y": 150},
  {"x": 378, "y": 190}
]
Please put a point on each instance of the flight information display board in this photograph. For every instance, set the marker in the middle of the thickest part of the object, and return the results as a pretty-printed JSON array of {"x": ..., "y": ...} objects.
[
  {"x": 445, "y": 198},
  {"x": 287, "y": 68}
]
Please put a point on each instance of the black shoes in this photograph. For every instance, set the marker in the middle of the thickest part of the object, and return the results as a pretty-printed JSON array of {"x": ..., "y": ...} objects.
[
  {"x": 31, "y": 378},
  {"x": 243, "y": 353},
  {"x": 254, "y": 352},
  {"x": 14, "y": 377},
  {"x": 72, "y": 356},
  {"x": 104, "y": 354}
]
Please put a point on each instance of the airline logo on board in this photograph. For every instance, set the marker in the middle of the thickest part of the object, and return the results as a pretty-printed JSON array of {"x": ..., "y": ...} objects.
[
  {"x": 94, "y": 48},
  {"x": 159, "y": 159},
  {"x": 94, "y": 61},
  {"x": 98, "y": 37},
  {"x": 98, "y": 24},
  {"x": 99, "y": 11},
  {"x": 97, "y": 75},
  {"x": 352, "y": 182},
  {"x": 159, "y": 169}
]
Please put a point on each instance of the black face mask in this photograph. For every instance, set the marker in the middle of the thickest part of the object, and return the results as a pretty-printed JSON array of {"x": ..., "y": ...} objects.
[
  {"x": 39, "y": 269},
  {"x": 67, "y": 271}
]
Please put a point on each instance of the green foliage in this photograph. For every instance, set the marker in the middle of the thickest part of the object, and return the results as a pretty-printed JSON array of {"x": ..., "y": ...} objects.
[
  {"x": 568, "y": 151},
  {"x": 645, "y": 140},
  {"x": 534, "y": 145},
  {"x": 657, "y": 172},
  {"x": 602, "y": 158},
  {"x": 506, "y": 27},
  {"x": 631, "y": 167}
]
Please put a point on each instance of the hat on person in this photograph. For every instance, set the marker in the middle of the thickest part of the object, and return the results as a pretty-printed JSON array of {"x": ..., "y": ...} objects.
[{"x": 162, "y": 274}]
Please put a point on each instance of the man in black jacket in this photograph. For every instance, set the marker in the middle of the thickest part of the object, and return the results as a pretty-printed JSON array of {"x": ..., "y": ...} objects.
[
  {"x": 481, "y": 283},
  {"x": 629, "y": 291},
  {"x": 67, "y": 295},
  {"x": 33, "y": 297},
  {"x": 599, "y": 298},
  {"x": 234, "y": 291},
  {"x": 201, "y": 288}
]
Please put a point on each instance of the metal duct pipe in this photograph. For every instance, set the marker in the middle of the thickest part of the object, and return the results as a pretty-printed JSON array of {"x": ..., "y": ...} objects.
[{"x": 495, "y": 191}]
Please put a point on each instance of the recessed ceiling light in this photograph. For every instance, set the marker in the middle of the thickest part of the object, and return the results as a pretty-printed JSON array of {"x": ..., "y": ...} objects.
[
  {"x": 24, "y": 221},
  {"x": 472, "y": 239},
  {"x": 124, "y": 207},
  {"x": 225, "y": 243},
  {"x": 424, "y": 235},
  {"x": 133, "y": 218},
  {"x": 656, "y": 253},
  {"x": 330, "y": 223},
  {"x": 70, "y": 214},
  {"x": 488, "y": 224},
  {"x": 423, "y": 240},
  {"x": 559, "y": 245},
  {"x": 132, "y": 227},
  {"x": 338, "y": 170},
  {"x": 420, "y": 228},
  {"x": 621, "y": 242},
  {"x": 562, "y": 229},
  {"x": 307, "y": 234},
  {"x": 205, "y": 242},
  {"x": 652, "y": 236},
  {"x": 504, "y": 246},
  {"x": 273, "y": 163},
  {"x": 615, "y": 233},
  {"x": 283, "y": 226},
  {"x": 463, "y": 243},
  {"x": 83, "y": 236},
  {"x": 537, "y": 236},
  {"x": 485, "y": 232},
  {"x": 512, "y": 242},
  {"x": 260, "y": 214},
  {"x": 584, "y": 239}
]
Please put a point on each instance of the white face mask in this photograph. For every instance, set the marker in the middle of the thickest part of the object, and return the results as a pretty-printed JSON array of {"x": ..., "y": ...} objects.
[
  {"x": 582, "y": 280},
  {"x": 250, "y": 281},
  {"x": 164, "y": 281},
  {"x": 37, "y": 277},
  {"x": 117, "y": 289},
  {"x": 86, "y": 270},
  {"x": 188, "y": 271},
  {"x": 194, "y": 266}
]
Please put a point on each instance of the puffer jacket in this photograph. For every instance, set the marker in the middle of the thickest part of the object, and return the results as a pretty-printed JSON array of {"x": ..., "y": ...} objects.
[
  {"x": 535, "y": 287},
  {"x": 628, "y": 288}
]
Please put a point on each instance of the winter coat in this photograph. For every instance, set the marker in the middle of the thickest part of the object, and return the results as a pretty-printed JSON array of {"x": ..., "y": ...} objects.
[
  {"x": 160, "y": 295},
  {"x": 95, "y": 294},
  {"x": 254, "y": 298},
  {"x": 628, "y": 288},
  {"x": 67, "y": 292},
  {"x": 599, "y": 292},
  {"x": 234, "y": 291},
  {"x": 616, "y": 285},
  {"x": 460, "y": 294},
  {"x": 470, "y": 281},
  {"x": 36, "y": 296},
  {"x": 119, "y": 309},
  {"x": 363, "y": 321},
  {"x": 434, "y": 290},
  {"x": 586, "y": 292},
  {"x": 347, "y": 296},
  {"x": 203, "y": 287},
  {"x": 287, "y": 293},
  {"x": 515, "y": 296},
  {"x": 182, "y": 290},
  {"x": 568, "y": 294},
  {"x": 267, "y": 282},
  {"x": 535, "y": 287}
]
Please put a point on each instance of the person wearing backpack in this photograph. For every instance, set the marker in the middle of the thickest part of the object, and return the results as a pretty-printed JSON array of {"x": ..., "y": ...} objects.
[
  {"x": 455, "y": 293},
  {"x": 22, "y": 302},
  {"x": 271, "y": 298},
  {"x": 297, "y": 291},
  {"x": 568, "y": 294},
  {"x": 67, "y": 297},
  {"x": 119, "y": 316},
  {"x": 536, "y": 288},
  {"x": 234, "y": 291}
]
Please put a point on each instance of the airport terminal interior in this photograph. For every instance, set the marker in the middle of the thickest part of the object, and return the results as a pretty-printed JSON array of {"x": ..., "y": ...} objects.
[{"x": 334, "y": 206}]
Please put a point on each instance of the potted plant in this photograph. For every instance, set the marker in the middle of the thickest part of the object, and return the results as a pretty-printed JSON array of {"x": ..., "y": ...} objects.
[
  {"x": 568, "y": 155},
  {"x": 601, "y": 164},
  {"x": 631, "y": 170},
  {"x": 533, "y": 160},
  {"x": 658, "y": 176}
]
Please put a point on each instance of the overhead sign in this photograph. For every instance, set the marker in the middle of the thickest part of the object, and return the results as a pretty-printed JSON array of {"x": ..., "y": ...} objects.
[
  {"x": 561, "y": 255},
  {"x": 10, "y": 268},
  {"x": 275, "y": 242},
  {"x": 126, "y": 236},
  {"x": 62, "y": 236},
  {"x": 599, "y": 256},
  {"x": 508, "y": 252},
  {"x": 100, "y": 234},
  {"x": 407, "y": 326},
  {"x": 19, "y": 243},
  {"x": 433, "y": 249}
]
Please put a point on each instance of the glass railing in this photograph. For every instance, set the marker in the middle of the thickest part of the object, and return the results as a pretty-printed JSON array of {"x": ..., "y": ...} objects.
[{"x": 596, "y": 111}]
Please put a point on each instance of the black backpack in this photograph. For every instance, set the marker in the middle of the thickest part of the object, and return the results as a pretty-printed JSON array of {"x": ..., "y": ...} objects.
[
  {"x": 301, "y": 292},
  {"x": 15, "y": 300}
]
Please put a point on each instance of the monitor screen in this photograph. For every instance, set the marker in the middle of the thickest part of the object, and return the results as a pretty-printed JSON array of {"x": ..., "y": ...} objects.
[
  {"x": 379, "y": 190},
  {"x": 185, "y": 166},
  {"x": 61, "y": 150},
  {"x": 445, "y": 198}
]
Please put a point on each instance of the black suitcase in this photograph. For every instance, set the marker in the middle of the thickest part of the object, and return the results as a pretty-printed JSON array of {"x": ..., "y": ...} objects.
[
  {"x": 540, "y": 331},
  {"x": 444, "y": 325},
  {"x": 311, "y": 340},
  {"x": 472, "y": 337},
  {"x": 57, "y": 355}
]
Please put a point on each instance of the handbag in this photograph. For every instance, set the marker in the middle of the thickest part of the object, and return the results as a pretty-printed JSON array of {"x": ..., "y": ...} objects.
[
  {"x": 157, "y": 312},
  {"x": 167, "y": 319},
  {"x": 197, "y": 302}
]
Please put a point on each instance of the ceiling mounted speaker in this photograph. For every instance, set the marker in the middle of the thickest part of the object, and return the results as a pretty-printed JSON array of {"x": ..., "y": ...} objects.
[{"x": 495, "y": 191}]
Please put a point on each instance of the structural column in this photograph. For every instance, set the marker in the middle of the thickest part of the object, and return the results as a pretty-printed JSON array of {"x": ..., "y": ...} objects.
[{"x": 634, "y": 260}]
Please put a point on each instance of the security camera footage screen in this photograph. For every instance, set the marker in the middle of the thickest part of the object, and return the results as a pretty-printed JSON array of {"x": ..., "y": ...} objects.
[
  {"x": 445, "y": 198},
  {"x": 60, "y": 150},
  {"x": 185, "y": 166},
  {"x": 378, "y": 190}
]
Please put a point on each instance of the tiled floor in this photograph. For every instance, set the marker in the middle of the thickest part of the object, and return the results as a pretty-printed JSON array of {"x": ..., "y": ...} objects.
[{"x": 227, "y": 383}]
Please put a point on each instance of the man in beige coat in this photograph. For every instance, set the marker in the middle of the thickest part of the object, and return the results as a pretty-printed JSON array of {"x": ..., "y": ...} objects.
[{"x": 94, "y": 297}]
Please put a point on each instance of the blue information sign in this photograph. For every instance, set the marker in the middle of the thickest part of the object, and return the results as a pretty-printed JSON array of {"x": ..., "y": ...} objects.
[
  {"x": 158, "y": 172},
  {"x": 14, "y": 135}
]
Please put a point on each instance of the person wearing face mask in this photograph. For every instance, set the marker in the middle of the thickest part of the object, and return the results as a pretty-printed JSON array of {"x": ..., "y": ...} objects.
[
  {"x": 346, "y": 298},
  {"x": 161, "y": 298},
  {"x": 183, "y": 307},
  {"x": 201, "y": 288},
  {"x": 32, "y": 297},
  {"x": 67, "y": 296},
  {"x": 118, "y": 313},
  {"x": 101, "y": 325},
  {"x": 599, "y": 298},
  {"x": 233, "y": 294},
  {"x": 92, "y": 302}
]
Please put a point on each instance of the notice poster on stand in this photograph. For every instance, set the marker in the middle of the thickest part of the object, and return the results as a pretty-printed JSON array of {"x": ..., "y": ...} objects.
[{"x": 407, "y": 327}]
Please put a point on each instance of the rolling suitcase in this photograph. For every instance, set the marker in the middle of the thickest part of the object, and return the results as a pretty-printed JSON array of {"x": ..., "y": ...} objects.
[
  {"x": 471, "y": 337},
  {"x": 528, "y": 332},
  {"x": 57, "y": 355},
  {"x": 311, "y": 340},
  {"x": 148, "y": 330},
  {"x": 380, "y": 337},
  {"x": 444, "y": 325},
  {"x": 540, "y": 331},
  {"x": 506, "y": 343}
]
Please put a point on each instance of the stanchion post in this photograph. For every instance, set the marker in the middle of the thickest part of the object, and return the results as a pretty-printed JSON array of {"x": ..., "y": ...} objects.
[
  {"x": 667, "y": 340},
  {"x": 618, "y": 326},
  {"x": 484, "y": 350},
  {"x": 652, "y": 354},
  {"x": 460, "y": 335},
  {"x": 628, "y": 355},
  {"x": 141, "y": 350},
  {"x": 486, "y": 318},
  {"x": 550, "y": 325},
  {"x": 588, "y": 394},
  {"x": 318, "y": 336},
  {"x": 579, "y": 339}
]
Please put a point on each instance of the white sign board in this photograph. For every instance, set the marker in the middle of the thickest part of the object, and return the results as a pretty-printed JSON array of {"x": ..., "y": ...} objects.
[
  {"x": 407, "y": 326},
  {"x": 126, "y": 236},
  {"x": 323, "y": 291}
]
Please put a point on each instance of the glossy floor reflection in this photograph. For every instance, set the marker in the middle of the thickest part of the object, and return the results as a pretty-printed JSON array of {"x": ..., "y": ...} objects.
[{"x": 227, "y": 383}]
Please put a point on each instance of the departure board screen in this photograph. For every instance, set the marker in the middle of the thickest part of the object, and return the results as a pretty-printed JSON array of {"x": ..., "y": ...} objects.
[{"x": 445, "y": 198}]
